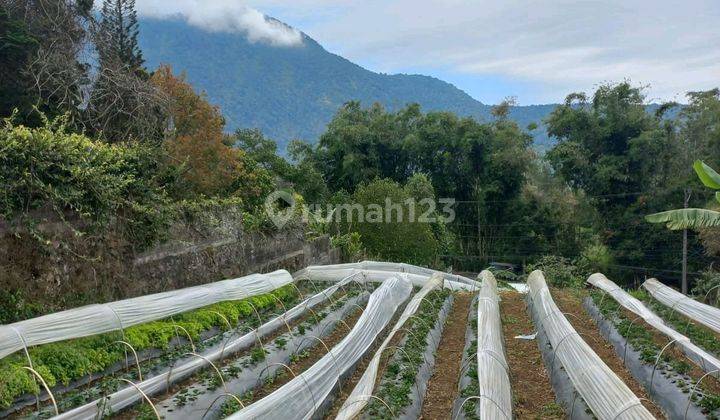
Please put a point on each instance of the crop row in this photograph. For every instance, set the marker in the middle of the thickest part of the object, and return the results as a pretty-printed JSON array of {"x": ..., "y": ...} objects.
[{"x": 64, "y": 362}]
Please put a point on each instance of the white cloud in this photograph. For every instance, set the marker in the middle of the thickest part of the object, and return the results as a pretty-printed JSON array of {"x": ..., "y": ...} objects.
[{"x": 224, "y": 16}]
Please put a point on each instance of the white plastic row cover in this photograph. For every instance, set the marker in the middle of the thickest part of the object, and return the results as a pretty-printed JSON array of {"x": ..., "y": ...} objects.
[
  {"x": 705, "y": 360},
  {"x": 129, "y": 395},
  {"x": 102, "y": 318},
  {"x": 605, "y": 394},
  {"x": 704, "y": 314},
  {"x": 329, "y": 273},
  {"x": 302, "y": 396},
  {"x": 380, "y": 266},
  {"x": 360, "y": 395},
  {"x": 495, "y": 397}
]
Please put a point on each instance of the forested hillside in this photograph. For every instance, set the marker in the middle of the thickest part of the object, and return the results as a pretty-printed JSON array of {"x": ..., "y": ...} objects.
[{"x": 293, "y": 92}]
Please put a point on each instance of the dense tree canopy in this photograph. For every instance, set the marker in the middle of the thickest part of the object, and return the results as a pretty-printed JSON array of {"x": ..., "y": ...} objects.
[{"x": 632, "y": 163}]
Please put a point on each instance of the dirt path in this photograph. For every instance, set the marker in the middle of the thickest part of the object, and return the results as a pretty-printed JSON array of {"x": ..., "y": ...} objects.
[
  {"x": 443, "y": 385},
  {"x": 571, "y": 302},
  {"x": 533, "y": 394}
]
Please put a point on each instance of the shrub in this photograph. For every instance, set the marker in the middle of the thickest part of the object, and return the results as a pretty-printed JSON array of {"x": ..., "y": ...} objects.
[
  {"x": 595, "y": 258},
  {"x": 350, "y": 245},
  {"x": 709, "y": 279},
  {"x": 49, "y": 168},
  {"x": 393, "y": 239},
  {"x": 559, "y": 271}
]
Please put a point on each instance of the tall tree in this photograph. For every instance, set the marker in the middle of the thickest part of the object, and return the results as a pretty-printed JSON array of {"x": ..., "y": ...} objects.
[
  {"x": 196, "y": 141},
  {"x": 17, "y": 45},
  {"x": 41, "y": 44},
  {"x": 119, "y": 28},
  {"x": 123, "y": 104},
  {"x": 629, "y": 163}
]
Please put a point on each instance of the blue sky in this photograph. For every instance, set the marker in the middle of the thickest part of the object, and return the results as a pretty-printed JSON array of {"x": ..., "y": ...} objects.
[{"x": 535, "y": 50}]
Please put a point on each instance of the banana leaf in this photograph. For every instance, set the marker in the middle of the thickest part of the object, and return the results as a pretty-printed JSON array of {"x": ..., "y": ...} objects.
[
  {"x": 686, "y": 218},
  {"x": 707, "y": 175}
]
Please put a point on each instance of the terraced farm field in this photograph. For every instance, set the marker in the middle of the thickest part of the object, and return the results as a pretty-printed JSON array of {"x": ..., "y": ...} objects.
[{"x": 374, "y": 341}]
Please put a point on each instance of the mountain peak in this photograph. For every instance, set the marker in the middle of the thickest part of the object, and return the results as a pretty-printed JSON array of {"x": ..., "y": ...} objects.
[{"x": 291, "y": 92}]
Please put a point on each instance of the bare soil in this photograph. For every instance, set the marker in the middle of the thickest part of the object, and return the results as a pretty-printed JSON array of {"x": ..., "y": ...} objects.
[
  {"x": 533, "y": 394},
  {"x": 571, "y": 302},
  {"x": 443, "y": 385}
]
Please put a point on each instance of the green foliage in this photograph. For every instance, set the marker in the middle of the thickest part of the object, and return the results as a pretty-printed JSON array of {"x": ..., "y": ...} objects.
[
  {"x": 693, "y": 218},
  {"x": 119, "y": 25},
  {"x": 70, "y": 174},
  {"x": 64, "y": 362},
  {"x": 350, "y": 245},
  {"x": 503, "y": 276},
  {"x": 17, "y": 44},
  {"x": 392, "y": 238},
  {"x": 595, "y": 258},
  {"x": 707, "y": 175},
  {"x": 686, "y": 218},
  {"x": 631, "y": 163},
  {"x": 558, "y": 271},
  {"x": 481, "y": 165},
  {"x": 705, "y": 283},
  {"x": 47, "y": 167},
  {"x": 14, "y": 306}
]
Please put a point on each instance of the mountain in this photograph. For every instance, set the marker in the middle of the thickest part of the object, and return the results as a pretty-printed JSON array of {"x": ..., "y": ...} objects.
[{"x": 293, "y": 92}]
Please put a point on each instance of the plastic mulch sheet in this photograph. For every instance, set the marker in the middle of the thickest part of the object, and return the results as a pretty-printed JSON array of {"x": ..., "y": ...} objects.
[
  {"x": 494, "y": 382},
  {"x": 704, "y": 314},
  {"x": 114, "y": 316},
  {"x": 604, "y": 392},
  {"x": 360, "y": 395},
  {"x": 129, "y": 395},
  {"x": 292, "y": 400},
  {"x": 375, "y": 266},
  {"x": 705, "y": 360},
  {"x": 335, "y": 272}
]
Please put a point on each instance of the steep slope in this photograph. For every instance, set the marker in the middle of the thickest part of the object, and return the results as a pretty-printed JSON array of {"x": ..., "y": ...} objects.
[{"x": 293, "y": 92}]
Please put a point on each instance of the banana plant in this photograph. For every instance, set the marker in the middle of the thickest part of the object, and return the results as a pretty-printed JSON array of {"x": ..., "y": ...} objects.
[{"x": 693, "y": 218}]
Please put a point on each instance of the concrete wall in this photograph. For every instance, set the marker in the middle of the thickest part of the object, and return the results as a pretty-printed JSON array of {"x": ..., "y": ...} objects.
[{"x": 69, "y": 271}]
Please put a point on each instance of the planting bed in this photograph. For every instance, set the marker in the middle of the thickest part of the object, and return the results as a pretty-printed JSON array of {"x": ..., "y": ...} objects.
[
  {"x": 533, "y": 394},
  {"x": 442, "y": 389},
  {"x": 698, "y": 333},
  {"x": 467, "y": 384},
  {"x": 320, "y": 380},
  {"x": 376, "y": 344},
  {"x": 566, "y": 396},
  {"x": 570, "y": 301},
  {"x": 82, "y": 369},
  {"x": 399, "y": 375},
  {"x": 260, "y": 371},
  {"x": 675, "y": 376}
]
